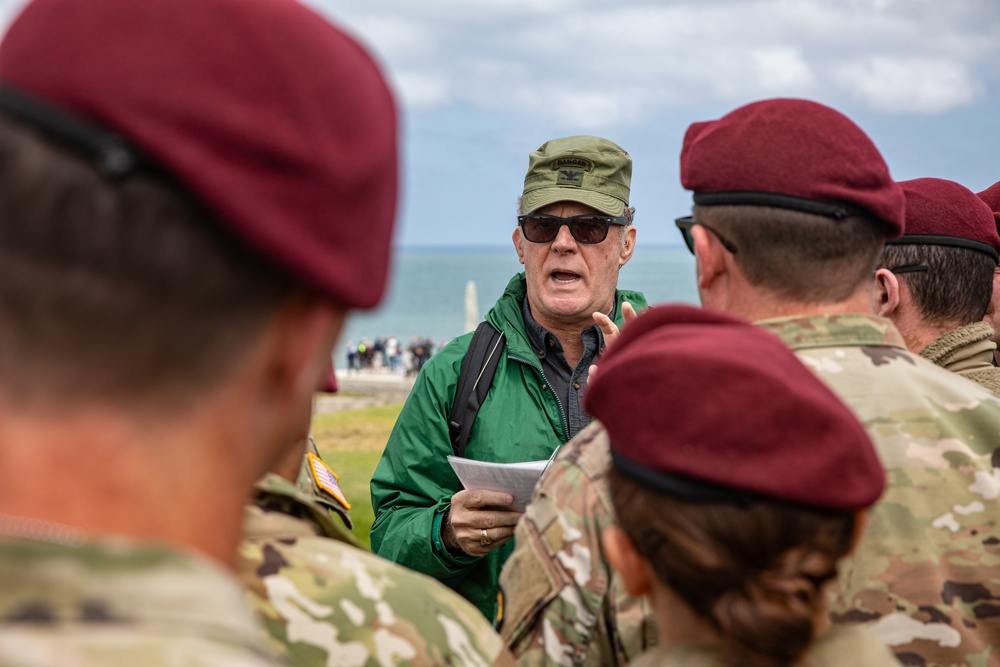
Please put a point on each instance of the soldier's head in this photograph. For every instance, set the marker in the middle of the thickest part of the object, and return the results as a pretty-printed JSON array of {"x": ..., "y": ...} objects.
[
  {"x": 792, "y": 198},
  {"x": 939, "y": 275},
  {"x": 574, "y": 228},
  {"x": 725, "y": 514},
  {"x": 181, "y": 190}
]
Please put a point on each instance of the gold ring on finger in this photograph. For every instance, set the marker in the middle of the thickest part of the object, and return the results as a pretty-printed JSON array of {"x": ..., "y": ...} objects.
[{"x": 484, "y": 539}]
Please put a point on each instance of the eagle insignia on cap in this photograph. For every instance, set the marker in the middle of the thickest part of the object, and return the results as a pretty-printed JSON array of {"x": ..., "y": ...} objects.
[
  {"x": 326, "y": 479},
  {"x": 572, "y": 177}
]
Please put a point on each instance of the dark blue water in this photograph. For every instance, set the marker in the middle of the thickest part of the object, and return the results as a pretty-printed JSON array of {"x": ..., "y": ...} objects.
[{"x": 426, "y": 295}]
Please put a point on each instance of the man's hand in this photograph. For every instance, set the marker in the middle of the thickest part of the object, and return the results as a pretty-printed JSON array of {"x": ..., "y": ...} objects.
[
  {"x": 477, "y": 523},
  {"x": 611, "y": 330}
]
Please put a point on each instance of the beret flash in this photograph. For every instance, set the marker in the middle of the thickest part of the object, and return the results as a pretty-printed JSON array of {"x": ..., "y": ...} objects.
[
  {"x": 940, "y": 212},
  {"x": 277, "y": 121},
  {"x": 708, "y": 407},
  {"x": 792, "y": 154}
]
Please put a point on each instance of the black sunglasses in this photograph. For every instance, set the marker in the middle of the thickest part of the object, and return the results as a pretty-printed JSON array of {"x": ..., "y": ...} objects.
[
  {"x": 589, "y": 228},
  {"x": 686, "y": 223}
]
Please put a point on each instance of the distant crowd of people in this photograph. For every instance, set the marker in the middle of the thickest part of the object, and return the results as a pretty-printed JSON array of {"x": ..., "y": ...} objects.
[{"x": 386, "y": 353}]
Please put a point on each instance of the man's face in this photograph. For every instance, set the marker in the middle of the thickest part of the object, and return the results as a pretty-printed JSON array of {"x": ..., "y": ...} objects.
[{"x": 568, "y": 281}]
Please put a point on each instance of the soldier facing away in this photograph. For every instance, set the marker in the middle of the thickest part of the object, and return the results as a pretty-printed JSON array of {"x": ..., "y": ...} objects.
[
  {"x": 180, "y": 190},
  {"x": 935, "y": 282},
  {"x": 734, "y": 558},
  {"x": 322, "y": 597}
]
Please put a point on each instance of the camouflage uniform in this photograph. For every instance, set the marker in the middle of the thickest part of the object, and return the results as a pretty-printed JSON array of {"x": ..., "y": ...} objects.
[
  {"x": 560, "y": 593},
  {"x": 838, "y": 647},
  {"x": 967, "y": 351},
  {"x": 325, "y": 601},
  {"x": 926, "y": 574},
  {"x": 123, "y": 603}
]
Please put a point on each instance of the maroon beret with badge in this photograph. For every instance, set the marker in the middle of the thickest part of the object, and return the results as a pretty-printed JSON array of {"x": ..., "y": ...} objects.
[
  {"x": 279, "y": 122},
  {"x": 991, "y": 196},
  {"x": 792, "y": 154},
  {"x": 707, "y": 407},
  {"x": 941, "y": 212}
]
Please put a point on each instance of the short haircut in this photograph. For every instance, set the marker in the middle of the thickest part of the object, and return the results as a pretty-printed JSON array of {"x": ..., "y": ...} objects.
[
  {"x": 126, "y": 291},
  {"x": 956, "y": 288},
  {"x": 755, "y": 573},
  {"x": 800, "y": 256}
]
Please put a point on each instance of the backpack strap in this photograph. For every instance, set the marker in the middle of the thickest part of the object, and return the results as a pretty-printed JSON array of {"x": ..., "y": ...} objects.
[{"x": 478, "y": 368}]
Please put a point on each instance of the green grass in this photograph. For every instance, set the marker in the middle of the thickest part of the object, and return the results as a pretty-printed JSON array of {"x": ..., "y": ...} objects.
[{"x": 351, "y": 443}]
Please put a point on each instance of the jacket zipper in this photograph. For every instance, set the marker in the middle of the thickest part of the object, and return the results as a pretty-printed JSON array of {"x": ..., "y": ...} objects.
[{"x": 562, "y": 411}]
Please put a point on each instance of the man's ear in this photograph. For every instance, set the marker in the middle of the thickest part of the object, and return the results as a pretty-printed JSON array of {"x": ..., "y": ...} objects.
[
  {"x": 710, "y": 256},
  {"x": 860, "y": 523},
  {"x": 627, "y": 246},
  {"x": 304, "y": 331},
  {"x": 627, "y": 561},
  {"x": 886, "y": 295},
  {"x": 518, "y": 240}
]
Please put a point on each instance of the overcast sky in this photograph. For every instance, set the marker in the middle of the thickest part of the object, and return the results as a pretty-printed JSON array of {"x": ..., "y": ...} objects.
[
  {"x": 481, "y": 83},
  {"x": 484, "y": 82}
]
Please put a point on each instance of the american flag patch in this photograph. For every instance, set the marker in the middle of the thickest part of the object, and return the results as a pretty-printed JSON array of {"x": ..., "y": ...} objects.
[{"x": 326, "y": 479}]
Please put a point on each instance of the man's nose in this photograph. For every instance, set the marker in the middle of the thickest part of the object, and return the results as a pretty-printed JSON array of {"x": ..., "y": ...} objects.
[{"x": 564, "y": 240}]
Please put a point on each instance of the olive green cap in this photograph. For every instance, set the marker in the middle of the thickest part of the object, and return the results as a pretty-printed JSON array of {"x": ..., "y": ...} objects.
[{"x": 589, "y": 170}]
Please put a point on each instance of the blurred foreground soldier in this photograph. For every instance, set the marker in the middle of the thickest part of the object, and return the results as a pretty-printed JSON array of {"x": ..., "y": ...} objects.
[
  {"x": 793, "y": 203},
  {"x": 733, "y": 558},
  {"x": 180, "y": 190},
  {"x": 323, "y": 598},
  {"x": 574, "y": 234},
  {"x": 935, "y": 282},
  {"x": 991, "y": 196}
]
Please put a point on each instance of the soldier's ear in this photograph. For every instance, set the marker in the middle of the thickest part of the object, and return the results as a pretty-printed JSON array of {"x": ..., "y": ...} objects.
[
  {"x": 886, "y": 296},
  {"x": 860, "y": 523},
  {"x": 710, "y": 257},
  {"x": 634, "y": 570}
]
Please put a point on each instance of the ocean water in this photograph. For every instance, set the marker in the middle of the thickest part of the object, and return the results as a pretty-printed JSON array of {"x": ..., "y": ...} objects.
[{"x": 426, "y": 294}]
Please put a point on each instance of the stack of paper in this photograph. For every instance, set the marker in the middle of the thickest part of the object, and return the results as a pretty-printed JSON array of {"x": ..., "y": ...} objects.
[{"x": 517, "y": 479}]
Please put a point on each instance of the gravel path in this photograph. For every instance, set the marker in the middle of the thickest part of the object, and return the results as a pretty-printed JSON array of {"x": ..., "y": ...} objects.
[{"x": 364, "y": 390}]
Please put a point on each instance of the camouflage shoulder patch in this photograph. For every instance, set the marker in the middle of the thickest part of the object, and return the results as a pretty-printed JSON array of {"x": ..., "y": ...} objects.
[{"x": 326, "y": 480}]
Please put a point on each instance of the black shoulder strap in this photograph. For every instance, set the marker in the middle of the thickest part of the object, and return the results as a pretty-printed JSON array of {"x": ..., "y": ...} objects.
[{"x": 478, "y": 368}]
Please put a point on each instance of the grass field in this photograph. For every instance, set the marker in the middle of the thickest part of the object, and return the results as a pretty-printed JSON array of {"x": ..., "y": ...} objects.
[{"x": 351, "y": 443}]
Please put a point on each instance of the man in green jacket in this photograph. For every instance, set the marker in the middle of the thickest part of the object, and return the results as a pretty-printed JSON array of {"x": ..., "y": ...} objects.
[{"x": 574, "y": 234}]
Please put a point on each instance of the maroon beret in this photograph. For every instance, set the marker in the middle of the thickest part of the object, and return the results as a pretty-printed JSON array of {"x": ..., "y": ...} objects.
[
  {"x": 792, "y": 154},
  {"x": 279, "y": 122},
  {"x": 708, "y": 407},
  {"x": 991, "y": 196},
  {"x": 940, "y": 212}
]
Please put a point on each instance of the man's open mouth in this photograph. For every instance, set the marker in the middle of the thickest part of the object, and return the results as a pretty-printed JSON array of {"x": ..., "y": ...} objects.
[{"x": 565, "y": 276}]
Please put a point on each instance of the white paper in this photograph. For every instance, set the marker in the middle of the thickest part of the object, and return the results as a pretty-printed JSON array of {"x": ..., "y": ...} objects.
[{"x": 517, "y": 479}]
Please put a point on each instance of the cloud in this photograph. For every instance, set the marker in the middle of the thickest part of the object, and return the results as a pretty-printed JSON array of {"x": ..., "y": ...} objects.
[
  {"x": 624, "y": 62},
  {"x": 913, "y": 85}
]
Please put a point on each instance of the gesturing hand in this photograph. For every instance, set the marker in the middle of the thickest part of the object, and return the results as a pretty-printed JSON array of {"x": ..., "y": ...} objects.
[
  {"x": 477, "y": 522},
  {"x": 610, "y": 330}
]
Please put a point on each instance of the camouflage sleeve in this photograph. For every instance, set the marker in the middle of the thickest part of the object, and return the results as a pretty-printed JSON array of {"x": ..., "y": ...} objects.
[
  {"x": 925, "y": 575},
  {"x": 563, "y": 606},
  {"x": 323, "y": 602}
]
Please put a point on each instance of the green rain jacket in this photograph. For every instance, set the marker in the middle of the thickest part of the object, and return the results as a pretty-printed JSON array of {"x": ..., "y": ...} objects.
[{"x": 520, "y": 420}]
